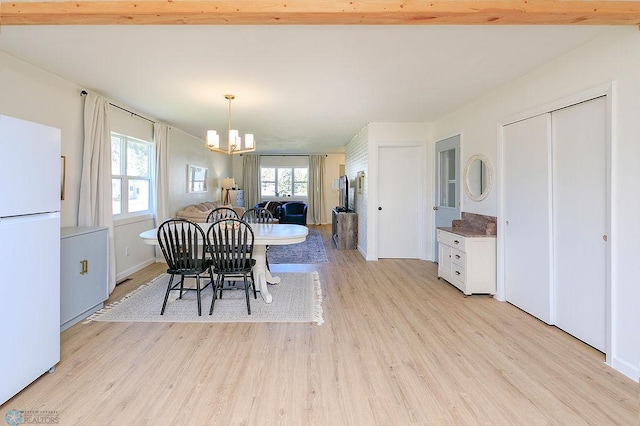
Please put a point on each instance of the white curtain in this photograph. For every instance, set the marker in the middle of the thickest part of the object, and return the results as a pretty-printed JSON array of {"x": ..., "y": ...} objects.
[
  {"x": 95, "y": 207},
  {"x": 251, "y": 179},
  {"x": 316, "y": 189},
  {"x": 161, "y": 139}
]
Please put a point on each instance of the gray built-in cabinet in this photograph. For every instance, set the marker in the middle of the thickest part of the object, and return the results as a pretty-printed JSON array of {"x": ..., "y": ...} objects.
[{"x": 83, "y": 273}]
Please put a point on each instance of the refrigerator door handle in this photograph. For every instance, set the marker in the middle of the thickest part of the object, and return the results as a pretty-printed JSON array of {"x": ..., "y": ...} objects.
[{"x": 7, "y": 220}]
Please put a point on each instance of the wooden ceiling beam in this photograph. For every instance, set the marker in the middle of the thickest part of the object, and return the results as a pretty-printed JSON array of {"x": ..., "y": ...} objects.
[{"x": 320, "y": 12}]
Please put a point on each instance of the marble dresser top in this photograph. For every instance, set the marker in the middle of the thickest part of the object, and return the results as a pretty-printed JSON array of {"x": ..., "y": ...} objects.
[
  {"x": 473, "y": 225},
  {"x": 465, "y": 232}
]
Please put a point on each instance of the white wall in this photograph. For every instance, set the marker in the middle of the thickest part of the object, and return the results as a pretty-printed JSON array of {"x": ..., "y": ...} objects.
[
  {"x": 613, "y": 58},
  {"x": 356, "y": 160}
]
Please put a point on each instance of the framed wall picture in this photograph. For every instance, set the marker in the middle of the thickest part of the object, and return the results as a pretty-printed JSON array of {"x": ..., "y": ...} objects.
[
  {"x": 360, "y": 182},
  {"x": 196, "y": 178},
  {"x": 63, "y": 175}
]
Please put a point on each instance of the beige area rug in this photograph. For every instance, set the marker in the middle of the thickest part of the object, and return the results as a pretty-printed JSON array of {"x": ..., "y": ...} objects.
[{"x": 298, "y": 298}]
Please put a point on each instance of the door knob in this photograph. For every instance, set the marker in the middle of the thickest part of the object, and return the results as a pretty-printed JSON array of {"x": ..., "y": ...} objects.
[{"x": 379, "y": 208}]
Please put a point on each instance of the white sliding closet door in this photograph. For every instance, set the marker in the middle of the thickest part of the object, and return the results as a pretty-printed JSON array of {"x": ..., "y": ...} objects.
[
  {"x": 527, "y": 208},
  {"x": 580, "y": 219}
]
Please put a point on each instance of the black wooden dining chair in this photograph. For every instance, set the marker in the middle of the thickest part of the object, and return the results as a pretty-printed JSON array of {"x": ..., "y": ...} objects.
[
  {"x": 230, "y": 243},
  {"x": 182, "y": 243},
  {"x": 222, "y": 213},
  {"x": 260, "y": 215}
]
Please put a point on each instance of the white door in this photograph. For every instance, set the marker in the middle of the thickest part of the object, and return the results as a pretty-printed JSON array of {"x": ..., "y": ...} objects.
[
  {"x": 527, "y": 186},
  {"x": 447, "y": 191},
  {"x": 399, "y": 198},
  {"x": 580, "y": 219}
]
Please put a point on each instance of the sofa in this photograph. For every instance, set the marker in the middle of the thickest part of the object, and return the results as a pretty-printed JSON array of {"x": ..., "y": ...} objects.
[
  {"x": 198, "y": 212},
  {"x": 294, "y": 212}
]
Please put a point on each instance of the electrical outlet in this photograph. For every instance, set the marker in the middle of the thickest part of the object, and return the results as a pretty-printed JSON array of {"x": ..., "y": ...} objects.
[{"x": 127, "y": 252}]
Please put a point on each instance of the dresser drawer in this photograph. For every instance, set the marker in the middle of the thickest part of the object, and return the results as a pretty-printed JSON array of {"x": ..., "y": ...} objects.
[
  {"x": 458, "y": 278},
  {"x": 452, "y": 240},
  {"x": 458, "y": 257}
]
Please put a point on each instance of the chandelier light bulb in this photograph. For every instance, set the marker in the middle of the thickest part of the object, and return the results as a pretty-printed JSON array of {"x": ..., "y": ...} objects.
[
  {"x": 248, "y": 141},
  {"x": 233, "y": 137},
  {"x": 213, "y": 139}
]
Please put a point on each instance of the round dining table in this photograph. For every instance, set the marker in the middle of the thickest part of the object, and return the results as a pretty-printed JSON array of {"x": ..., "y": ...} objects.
[{"x": 265, "y": 234}]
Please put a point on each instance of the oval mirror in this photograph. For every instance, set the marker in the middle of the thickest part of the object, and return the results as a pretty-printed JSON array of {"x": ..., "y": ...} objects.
[{"x": 478, "y": 177}]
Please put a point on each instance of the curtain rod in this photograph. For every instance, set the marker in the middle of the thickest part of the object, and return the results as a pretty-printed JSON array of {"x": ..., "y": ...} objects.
[
  {"x": 84, "y": 93},
  {"x": 290, "y": 155}
]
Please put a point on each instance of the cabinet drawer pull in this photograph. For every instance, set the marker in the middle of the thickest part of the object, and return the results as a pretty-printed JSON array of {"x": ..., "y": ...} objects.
[
  {"x": 84, "y": 267},
  {"x": 457, "y": 256},
  {"x": 456, "y": 242},
  {"x": 457, "y": 272}
]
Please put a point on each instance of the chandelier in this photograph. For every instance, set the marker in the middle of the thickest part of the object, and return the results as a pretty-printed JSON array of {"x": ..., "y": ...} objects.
[{"x": 234, "y": 144}]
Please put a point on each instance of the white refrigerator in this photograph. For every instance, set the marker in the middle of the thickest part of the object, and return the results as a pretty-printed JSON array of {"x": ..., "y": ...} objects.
[{"x": 30, "y": 184}]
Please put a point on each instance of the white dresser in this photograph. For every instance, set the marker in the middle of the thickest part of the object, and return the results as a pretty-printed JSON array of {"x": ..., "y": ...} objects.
[
  {"x": 468, "y": 261},
  {"x": 236, "y": 197},
  {"x": 83, "y": 273}
]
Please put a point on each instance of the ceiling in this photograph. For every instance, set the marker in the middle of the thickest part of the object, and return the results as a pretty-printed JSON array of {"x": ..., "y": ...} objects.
[{"x": 299, "y": 89}]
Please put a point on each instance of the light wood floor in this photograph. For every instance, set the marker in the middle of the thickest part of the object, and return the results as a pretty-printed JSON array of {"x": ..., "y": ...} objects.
[{"x": 398, "y": 347}]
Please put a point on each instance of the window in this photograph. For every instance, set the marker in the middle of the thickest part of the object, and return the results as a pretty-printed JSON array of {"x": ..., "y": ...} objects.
[
  {"x": 131, "y": 171},
  {"x": 284, "y": 181},
  {"x": 448, "y": 185}
]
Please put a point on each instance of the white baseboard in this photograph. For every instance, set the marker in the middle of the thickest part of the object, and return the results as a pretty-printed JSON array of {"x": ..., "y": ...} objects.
[
  {"x": 626, "y": 368},
  {"x": 362, "y": 252},
  {"x": 133, "y": 269}
]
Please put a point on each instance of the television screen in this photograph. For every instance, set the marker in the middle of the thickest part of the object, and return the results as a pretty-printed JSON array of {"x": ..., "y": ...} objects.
[{"x": 343, "y": 187}]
